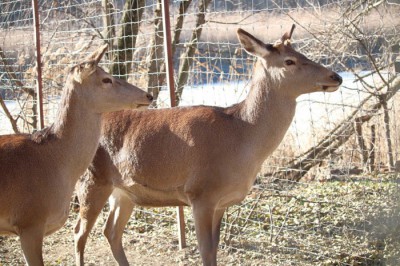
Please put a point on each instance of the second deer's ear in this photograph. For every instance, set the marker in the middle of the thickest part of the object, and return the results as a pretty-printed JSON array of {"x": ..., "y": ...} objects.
[
  {"x": 98, "y": 54},
  {"x": 82, "y": 71},
  {"x": 251, "y": 44}
]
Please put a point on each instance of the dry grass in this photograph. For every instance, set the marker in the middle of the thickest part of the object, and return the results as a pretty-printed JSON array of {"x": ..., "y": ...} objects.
[{"x": 348, "y": 221}]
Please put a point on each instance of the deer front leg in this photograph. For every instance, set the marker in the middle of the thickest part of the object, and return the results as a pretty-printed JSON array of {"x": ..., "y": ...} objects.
[
  {"x": 207, "y": 224},
  {"x": 92, "y": 197},
  {"x": 120, "y": 211},
  {"x": 31, "y": 243}
]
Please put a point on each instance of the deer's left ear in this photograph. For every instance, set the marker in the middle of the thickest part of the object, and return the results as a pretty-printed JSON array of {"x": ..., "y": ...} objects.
[
  {"x": 252, "y": 45},
  {"x": 98, "y": 54}
]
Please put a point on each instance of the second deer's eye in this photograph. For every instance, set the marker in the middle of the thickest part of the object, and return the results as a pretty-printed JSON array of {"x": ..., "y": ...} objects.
[
  {"x": 107, "y": 80},
  {"x": 289, "y": 62}
]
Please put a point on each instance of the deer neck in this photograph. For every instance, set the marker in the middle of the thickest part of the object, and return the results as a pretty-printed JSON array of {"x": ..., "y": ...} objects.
[
  {"x": 77, "y": 129},
  {"x": 267, "y": 110}
]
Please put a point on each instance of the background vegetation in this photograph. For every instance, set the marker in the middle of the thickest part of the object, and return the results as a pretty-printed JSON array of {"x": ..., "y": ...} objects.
[{"x": 328, "y": 196}]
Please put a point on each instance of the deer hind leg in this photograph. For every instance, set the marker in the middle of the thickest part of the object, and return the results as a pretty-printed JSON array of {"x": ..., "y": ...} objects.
[
  {"x": 92, "y": 198},
  {"x": 216, "y": 231},
  {"x": 207, "y": 221},
  {"x": 31, "y": 243},
  {"x": 121, "y": 208}
]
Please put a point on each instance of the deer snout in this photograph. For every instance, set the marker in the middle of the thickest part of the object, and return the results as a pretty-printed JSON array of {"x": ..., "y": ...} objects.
[
  {"x": 336, "y": 77},
  {"x": 331, "y": 83},
  {"x": 146, "y": 105},
  {"x": 150, "y": 97}
]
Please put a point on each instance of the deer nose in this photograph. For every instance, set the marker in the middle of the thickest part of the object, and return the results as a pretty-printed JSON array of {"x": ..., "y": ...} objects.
[
  {"x": 149, "y": 96},
  {"x": 337, "y": 78}
]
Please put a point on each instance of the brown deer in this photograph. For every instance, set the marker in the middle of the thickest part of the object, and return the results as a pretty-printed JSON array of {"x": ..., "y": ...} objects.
[
  {"x": 204, "y": 157},
  {"x": 38, "y": 172}
]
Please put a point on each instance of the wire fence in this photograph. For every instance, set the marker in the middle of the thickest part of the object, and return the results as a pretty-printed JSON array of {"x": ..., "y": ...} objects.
[{"x": 329, "y": 195}]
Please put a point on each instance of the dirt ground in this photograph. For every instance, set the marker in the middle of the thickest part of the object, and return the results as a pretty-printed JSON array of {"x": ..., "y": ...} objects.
[
  {"x": 348, "y": 221},
  {"x": 59, "y": 248},
  {"x": 147, "y": 245},
  {"x": 159, "y": 247}
]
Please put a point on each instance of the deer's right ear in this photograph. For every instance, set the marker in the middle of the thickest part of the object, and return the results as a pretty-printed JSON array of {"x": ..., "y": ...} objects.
[
  {"x": 82, "y": 71},
  {"x": 98, "y": 54},
  {"x": 251, "y": 44}
]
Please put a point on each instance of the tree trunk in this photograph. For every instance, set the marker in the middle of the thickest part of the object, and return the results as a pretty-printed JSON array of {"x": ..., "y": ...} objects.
[
  {"x": 108, "y": 22},
  {"x": 386, "y": 121},
  {"x": 187, "y": 56},
  {"x": 371, "y": 156},
  {"x": 361, "y": 143},
  {"x": 133, "y": 11},
  {"x": 155, "y": 77}
]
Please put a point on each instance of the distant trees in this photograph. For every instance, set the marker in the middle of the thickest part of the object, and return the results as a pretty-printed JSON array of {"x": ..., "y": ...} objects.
[
  {"x": 15, "y": 13},
  {"x": 231, "y": 5},
  {"x": 346, "y": 35}
]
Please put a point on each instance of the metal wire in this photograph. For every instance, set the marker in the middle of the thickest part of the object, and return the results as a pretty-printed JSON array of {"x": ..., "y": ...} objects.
[{"x": 339, "y": 211}]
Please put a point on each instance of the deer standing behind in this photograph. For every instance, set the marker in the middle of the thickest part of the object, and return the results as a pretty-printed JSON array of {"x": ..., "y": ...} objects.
[
  {"x": 205, "y": 157},
  {"x": 38, "y": 172}
]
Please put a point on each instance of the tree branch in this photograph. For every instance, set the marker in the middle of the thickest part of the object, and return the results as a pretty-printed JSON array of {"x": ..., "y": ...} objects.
[
  {"x": 187, "y": 57},
  {"x": 9, "y": 116},
  {"x": 298, "y": 167}
]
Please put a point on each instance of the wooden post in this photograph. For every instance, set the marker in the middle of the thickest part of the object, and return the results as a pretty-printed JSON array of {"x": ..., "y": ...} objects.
[
  {"x": 39, "y": 86},
  {"x": 171, "y": 86}
]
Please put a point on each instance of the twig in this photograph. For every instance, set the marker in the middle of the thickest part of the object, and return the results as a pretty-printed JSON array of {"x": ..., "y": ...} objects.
[
  {"x": 284, "y": 223},
  {"x": 9, "y": 116},
  {"x": 253, "y": 207},
  {"x": 13, "y": 77},
  {"x": 271, "y": 222},
  {"x": 228, "y": 233},
  {"x": 233, "y": 23},
  {"x": 77, "y": 13}
]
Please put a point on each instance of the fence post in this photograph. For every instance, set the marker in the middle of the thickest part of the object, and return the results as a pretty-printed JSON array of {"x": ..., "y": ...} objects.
[
  {"x": 171, "y": 86},
  {"x": 39, "y": 87}
]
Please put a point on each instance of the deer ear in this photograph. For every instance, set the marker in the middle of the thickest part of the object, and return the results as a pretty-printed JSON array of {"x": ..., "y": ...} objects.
[
  {"x": 82, "y": 71},
  {"x": 251, "y": 44},
  {"x": 98, "y": 54},
  {"x": 288, "y": 36}
]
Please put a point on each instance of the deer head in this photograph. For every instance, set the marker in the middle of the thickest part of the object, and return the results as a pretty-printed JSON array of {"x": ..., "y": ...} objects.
[
  {"x": 101, "y": 90},
  {"x": 289, "y": 71}
]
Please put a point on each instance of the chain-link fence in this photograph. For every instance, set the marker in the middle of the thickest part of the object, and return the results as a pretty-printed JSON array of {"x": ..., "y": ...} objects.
[{"x": 329, "y": 195}]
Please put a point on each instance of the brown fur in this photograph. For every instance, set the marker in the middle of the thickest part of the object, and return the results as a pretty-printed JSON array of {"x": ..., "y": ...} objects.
[
  {"x": 38, "y": 172},
  {"x": 205, "y": 157}
]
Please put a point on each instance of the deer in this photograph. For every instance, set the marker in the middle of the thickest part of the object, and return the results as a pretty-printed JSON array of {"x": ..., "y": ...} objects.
[
  {"x": 205, "y": 157},
  {"x": 38, "y": 171}
]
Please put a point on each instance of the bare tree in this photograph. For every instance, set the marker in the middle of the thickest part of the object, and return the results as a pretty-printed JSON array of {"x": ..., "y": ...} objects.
[
  {"x": 108, "y": 21},
  {"x": 127, "y": 35},
  {"x": 155, "y": 55},
  {"x": 187, "y": 56}
]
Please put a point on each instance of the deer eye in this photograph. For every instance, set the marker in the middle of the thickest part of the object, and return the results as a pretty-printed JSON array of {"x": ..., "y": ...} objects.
[
  {"x": 107, "y": 80},
  {"x": 289, "y": 62}
]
